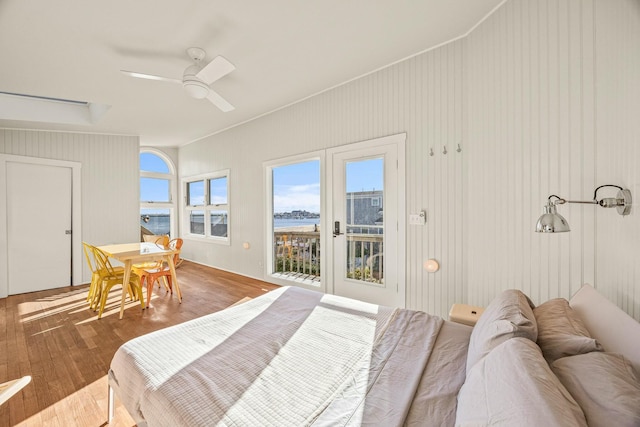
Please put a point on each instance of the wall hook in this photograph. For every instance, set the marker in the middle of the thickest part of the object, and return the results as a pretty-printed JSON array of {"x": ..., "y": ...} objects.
[
  {"x": 459, "y": 149},
  {"x": 444, "y": 149},
  {"x": 431, "y": 151}
]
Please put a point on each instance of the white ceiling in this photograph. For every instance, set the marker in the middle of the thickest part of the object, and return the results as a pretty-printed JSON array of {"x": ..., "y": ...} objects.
[{"x": 283, "y": 50}]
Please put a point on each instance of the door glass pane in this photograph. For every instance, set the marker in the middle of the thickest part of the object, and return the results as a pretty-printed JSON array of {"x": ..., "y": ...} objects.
[
  {"x": 365, "y": 220},
  {"x": 154, "y": 190},
  {"x": 157, "y": 221},
  {"x": 296, "y": 221},
  {"x": 219, "y": 223},
  {"x": 196, "y": 222}
]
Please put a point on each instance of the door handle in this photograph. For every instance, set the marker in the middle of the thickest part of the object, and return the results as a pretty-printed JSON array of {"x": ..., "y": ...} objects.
[
  {"x": 336, "y": 229},
  {"x": 67, "y": 231}
]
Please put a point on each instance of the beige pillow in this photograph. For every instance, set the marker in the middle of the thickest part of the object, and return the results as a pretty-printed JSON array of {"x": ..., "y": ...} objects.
[
  {"x": 604, "y": 385},
  {"x": 561, "y": 333},
  {"x": 514, "y": 386},
  {"x": 508, "y": 315}
]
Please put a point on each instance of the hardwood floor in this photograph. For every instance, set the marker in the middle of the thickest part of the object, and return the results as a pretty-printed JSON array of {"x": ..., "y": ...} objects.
[{"x": 54, "y": 337}]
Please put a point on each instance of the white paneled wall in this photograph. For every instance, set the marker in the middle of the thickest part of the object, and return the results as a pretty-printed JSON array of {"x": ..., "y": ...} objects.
[
  {"x": 553, "y": 105},
  {"x": 543, "y": 98},
  {"x": 617, "y": 124},
  {"x": 110, "y": 176},
  {"x": 423, "y": 97},
  {"x": 531, "y": 134}
]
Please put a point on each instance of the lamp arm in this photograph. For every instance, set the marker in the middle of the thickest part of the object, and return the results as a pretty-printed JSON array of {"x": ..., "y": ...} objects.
[{"x": 561, "y": 201}]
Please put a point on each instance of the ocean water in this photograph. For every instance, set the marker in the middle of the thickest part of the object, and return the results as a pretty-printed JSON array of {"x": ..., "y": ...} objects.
[
  {"x": 287, "y": 222},
  {"x": 159, "y": 224}
]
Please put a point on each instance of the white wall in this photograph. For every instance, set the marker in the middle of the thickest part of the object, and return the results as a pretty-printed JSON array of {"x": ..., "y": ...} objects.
[
  {"x": 617, "y": 156},
  {"x": 542, "y": 97},
  {"x": 552, "y": 90},
  {"x": 422, "y": 96},
  {"x": 110, "y": 176}
]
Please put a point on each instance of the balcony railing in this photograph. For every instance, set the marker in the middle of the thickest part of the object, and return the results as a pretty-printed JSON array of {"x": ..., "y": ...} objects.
[{"x": 297, "y": 254}]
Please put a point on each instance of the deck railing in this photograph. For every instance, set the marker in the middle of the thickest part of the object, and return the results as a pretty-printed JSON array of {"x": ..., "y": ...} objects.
[{"x": 297, "y": 254}]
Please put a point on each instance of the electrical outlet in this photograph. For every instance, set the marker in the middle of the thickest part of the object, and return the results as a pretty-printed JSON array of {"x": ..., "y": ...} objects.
[{"x": 418, "y": 219}]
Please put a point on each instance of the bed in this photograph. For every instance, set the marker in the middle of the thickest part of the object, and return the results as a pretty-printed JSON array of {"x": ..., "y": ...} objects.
[{"x": 295, "y": 357}]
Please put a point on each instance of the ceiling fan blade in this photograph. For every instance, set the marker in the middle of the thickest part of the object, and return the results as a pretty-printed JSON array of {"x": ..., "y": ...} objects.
[
  {"x": 150, "y": 76},
  {"x": 219, "y": 101},
  {"x": 215, "y": 69}
]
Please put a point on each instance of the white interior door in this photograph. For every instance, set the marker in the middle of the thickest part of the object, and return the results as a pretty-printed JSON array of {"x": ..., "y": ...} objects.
[
  {"x": 368, "y": 238},
  {"x": 38, "y": 227}
]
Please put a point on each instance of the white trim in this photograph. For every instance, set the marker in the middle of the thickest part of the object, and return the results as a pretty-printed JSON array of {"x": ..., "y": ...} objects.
[
  {"x": 399, "y": 140},
  {"x": 76, "y": 216},
  {"x": 184, "y": 209}
]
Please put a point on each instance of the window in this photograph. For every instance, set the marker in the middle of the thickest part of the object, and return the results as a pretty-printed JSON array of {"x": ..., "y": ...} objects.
[
  {"x": 207, "y": 205},
  {"x": 295, "y": 217},
  {"x": 157, "y": 185}
]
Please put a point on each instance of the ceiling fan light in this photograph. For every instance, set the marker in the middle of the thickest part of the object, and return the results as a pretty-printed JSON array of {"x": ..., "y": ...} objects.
[{"x": 196, "y": 89}]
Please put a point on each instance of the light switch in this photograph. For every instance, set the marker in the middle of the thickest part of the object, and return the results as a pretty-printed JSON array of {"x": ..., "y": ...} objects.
[{"x": 418, "y": 219}]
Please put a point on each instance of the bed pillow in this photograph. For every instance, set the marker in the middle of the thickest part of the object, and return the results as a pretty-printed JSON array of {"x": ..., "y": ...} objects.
[
  {"x": 605, "y": 385},
  {"x": 561, "y": 333},
  {"x": 508, "y": 315},
  {"x": 514, "y": 386}
]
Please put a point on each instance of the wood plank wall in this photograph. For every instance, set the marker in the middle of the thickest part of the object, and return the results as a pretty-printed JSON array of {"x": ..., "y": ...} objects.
[
  {"x": 550, "y": 96},
  {"x": 110, "y": 174},
  {"x": 422, "y": 96}
]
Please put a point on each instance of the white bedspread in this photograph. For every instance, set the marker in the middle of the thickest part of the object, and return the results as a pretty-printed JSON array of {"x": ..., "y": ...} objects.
[{"x": 288, "y": 358}]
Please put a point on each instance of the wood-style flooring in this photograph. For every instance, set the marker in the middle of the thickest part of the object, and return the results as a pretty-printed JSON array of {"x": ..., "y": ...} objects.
[{"x": 54, "y": 337}]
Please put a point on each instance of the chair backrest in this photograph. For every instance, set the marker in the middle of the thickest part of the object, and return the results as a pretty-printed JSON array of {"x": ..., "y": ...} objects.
[
  {"x": 88, "y": 253},
  {"x": 176, "y": 244},
  {"x": 162, "y": 240},
  {"x": 10, "y": 388},
  {"x": 103, "y": 264}
]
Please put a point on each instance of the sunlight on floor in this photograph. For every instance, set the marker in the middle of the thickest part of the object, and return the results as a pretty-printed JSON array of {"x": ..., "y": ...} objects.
[
  {"x": 73, "y": 302},
  {"x": 85, "y": 407}
]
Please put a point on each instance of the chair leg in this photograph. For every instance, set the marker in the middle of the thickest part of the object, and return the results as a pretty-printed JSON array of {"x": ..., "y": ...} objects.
[
  {"x": 149, "y": 290},
  {"x": 168, "y": 280},
  {"x": 103, "y": 300}
]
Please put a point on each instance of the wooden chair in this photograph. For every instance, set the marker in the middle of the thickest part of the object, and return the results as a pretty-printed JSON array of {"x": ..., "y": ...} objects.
[
  {"x": 10, "y": 388},
  {"x": 109, "y": 277},
  {"x": 161, "y": 240},
  {"x": 93, "y": 297},
  {"x": 159, "y": 270}
]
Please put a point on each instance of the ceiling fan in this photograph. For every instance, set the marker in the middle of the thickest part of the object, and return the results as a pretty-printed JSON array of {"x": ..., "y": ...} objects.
[{"x": 198, "y": 77}]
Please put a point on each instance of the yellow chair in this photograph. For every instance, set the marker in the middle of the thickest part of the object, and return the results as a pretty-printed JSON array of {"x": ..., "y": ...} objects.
[
  {"x": 151, "y": 274},
  {"x": 93, "y": 297},
  {"x": 109, "y": 277}
]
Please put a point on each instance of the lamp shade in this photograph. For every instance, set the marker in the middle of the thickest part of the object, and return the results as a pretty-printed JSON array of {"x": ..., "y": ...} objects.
[{"x": 551, "y": 221}]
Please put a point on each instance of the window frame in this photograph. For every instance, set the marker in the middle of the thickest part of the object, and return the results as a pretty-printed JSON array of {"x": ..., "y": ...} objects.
[
  {"x": 207, "y": 207},
  {"x": 171, "y": 177},
  {"x": 269, "y": 256}
]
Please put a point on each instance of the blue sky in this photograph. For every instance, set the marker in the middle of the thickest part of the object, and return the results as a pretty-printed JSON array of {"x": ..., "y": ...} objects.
[{"x": 296, "y": 186}]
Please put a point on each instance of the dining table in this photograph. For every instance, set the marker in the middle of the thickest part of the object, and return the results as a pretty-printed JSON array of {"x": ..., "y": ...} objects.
[{"x": 134, "y": 253}]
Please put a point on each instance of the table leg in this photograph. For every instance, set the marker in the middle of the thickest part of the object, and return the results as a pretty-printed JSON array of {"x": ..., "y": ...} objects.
[
  {"x": 174, "y": 280},
  {"x": 125, "y": 285}
]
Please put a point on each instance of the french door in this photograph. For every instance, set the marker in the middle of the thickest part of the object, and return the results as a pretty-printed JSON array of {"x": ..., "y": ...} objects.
[{"x": 367, "y": 220}]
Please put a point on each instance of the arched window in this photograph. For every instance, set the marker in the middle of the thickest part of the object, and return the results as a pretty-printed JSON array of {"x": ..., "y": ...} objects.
[{"x": 157, "y": 188}]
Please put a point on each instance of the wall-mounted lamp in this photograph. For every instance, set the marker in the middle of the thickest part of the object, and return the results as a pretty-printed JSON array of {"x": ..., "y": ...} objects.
[{"x": 552, "y": 222}]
